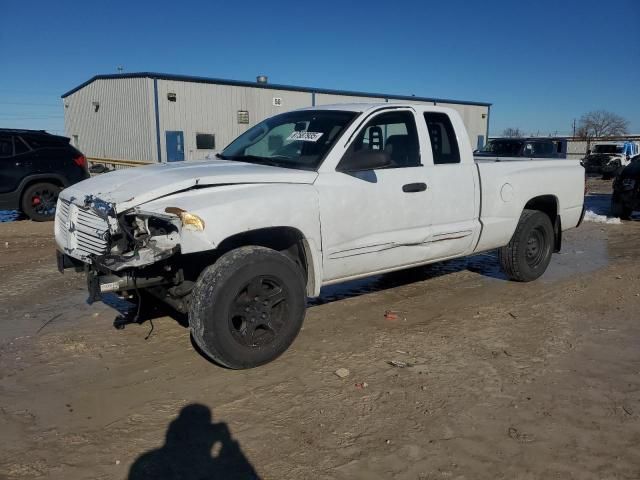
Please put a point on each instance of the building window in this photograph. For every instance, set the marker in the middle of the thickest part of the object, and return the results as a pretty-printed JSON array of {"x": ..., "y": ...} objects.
[{"x": 205, "y": 141}]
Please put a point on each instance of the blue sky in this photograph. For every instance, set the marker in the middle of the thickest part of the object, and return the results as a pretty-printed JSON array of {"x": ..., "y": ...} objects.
[{"x": 541, "y": 64}]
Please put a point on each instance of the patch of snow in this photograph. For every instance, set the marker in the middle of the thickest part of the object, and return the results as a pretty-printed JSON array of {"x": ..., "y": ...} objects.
[
  {"x": 591, "y": 216},
  {"x": 9, "y": 215}
]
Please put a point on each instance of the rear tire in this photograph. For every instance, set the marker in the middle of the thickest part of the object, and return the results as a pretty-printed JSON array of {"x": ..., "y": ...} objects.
[
  {"x": 527, "y": 255},
  {"x": 618, "y": 209},
  {"x": 39, "y": 201},
  {"x": 248, "y": 307}
]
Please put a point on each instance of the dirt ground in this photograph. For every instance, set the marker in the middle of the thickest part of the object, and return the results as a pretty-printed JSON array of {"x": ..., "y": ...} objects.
[{"x": 500, "y": 380}]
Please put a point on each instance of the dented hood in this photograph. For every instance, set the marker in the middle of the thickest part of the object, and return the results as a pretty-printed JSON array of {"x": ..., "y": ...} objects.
[{"x": 131, "y": 187}]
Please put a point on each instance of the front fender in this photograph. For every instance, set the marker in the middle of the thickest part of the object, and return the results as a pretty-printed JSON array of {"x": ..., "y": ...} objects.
[{"x": 228, "y": 210}]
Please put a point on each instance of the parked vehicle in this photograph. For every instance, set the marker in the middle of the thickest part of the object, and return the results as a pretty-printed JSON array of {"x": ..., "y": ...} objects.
[
  {"x": 304, "y": 199},
  {"x": 608, "y": 158},
  {"x": 534, "y": 147},
  {"x": 34, "y": 167},
  {"x": 626, "y": 190}
]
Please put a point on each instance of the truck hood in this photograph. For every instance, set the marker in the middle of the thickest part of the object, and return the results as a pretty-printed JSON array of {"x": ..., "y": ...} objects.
[{"x": 127, "y": 188}]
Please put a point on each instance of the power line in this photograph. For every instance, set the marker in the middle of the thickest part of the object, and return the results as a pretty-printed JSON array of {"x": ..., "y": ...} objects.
[
  {"x": 32, "y": 104},
  {"x": 31, "y": 114}
]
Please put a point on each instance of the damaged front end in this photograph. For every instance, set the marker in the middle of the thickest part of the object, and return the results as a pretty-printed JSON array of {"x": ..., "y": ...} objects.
[{"x": 122, "y": 252}]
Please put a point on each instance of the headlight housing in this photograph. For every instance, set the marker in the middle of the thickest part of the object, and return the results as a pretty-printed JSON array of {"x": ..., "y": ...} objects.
[{"x": 190, "y": 221}]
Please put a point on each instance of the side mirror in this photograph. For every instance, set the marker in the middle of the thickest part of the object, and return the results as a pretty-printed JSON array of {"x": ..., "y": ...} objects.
[{"x": 365, "y": 160}]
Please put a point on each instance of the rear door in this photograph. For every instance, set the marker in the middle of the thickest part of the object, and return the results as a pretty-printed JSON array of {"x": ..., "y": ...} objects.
[
  {"x": 452, "y": 179},
  {"x": 375, "y": 220}
]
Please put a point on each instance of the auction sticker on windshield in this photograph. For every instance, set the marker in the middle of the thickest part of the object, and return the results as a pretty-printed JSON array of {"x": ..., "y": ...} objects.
[{"x": 305, "y": 136}]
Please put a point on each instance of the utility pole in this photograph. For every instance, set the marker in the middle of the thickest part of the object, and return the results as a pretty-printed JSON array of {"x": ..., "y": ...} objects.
[{"x": 574, "y": 127}]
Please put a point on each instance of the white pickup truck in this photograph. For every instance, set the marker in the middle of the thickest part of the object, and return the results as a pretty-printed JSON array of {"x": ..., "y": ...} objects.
[{"x": 305, "y": 199}]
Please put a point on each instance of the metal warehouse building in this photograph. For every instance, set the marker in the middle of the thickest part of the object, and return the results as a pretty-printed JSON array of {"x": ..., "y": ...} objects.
[{"x": 155, "y": 117}]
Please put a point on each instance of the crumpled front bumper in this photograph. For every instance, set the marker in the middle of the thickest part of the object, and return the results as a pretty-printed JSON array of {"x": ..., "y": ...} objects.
[{"x": 88, "y": 232}]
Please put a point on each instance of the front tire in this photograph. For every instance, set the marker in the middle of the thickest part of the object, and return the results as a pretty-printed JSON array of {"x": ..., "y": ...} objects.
[
  {"x": 248, "y": 307},
  {"x": 527, "y": 255},
  {"x": 39, "y": 201}
]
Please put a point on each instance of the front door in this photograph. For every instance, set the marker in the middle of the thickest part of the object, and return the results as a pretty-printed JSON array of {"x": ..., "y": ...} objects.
[
  {"x": 375, "y": 220},
  {"x": 175, "y": 145}
]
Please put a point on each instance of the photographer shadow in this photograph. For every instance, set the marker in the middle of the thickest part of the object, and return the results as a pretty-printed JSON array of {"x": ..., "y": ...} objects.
[{"x": 195, "y": 449}]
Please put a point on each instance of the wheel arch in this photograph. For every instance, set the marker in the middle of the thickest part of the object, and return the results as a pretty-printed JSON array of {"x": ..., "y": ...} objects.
[
  {"x": 549, "y": 205},
  {"x": 42, "y": 178},
  {"x": 288, "y": 240}
]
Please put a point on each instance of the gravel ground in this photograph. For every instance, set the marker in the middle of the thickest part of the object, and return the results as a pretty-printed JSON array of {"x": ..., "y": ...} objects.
[{"x": 477, "y": 378}]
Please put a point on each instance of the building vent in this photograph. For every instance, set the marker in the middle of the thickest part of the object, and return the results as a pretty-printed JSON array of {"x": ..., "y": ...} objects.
[
  {"x": 243, "y": 116},
  {"x": 262, "y": 79}
]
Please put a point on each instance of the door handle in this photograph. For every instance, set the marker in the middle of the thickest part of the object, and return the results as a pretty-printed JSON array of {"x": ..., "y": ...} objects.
[{"x": 414, "y": 187}]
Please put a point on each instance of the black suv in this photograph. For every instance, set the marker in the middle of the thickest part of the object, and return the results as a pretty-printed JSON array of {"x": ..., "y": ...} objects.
[
  {"x": 626, "y": 190},
  {"x": 34, "y": 167},
  {"x": 534, "y": 147}
]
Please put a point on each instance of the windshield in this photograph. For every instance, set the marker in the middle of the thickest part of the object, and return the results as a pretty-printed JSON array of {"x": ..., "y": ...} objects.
[
  {"x": 507, "y": 148},
  {"x": 292, "y": 140},
  {"x": 607, "y": 149}
]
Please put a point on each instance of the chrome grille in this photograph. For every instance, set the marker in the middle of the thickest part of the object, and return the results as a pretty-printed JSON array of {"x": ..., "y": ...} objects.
[
  {"x": 62, "y": 221},
  {"x": 83, "y": 232}
]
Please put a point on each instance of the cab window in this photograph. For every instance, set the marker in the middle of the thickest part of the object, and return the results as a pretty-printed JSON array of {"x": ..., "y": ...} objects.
[
  {"x": 393, "y": 134},
  {"x": 444, "y": 144}
]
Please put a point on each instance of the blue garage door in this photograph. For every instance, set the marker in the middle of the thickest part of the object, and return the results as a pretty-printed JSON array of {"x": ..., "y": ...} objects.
[{"x": 175, "y": 146}]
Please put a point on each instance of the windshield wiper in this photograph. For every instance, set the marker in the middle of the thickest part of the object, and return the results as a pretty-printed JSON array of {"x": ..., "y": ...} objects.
[{"x": 222, "y": 157}]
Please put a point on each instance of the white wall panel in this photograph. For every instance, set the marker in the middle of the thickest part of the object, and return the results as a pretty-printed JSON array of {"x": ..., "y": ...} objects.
[{"x": 123, "y": 128}]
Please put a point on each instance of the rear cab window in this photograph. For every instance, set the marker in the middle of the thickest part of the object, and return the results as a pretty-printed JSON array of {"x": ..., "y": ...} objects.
[{"x": 444, "y": 144}]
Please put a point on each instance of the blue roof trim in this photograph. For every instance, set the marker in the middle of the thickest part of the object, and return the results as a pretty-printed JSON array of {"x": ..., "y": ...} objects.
[{"x": 270, "y": 86}]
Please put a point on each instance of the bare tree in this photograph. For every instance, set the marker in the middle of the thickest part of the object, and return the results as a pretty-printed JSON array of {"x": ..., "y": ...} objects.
[
  {"x": 512, "y": 132},
  {"x": 601, "y": 123}
]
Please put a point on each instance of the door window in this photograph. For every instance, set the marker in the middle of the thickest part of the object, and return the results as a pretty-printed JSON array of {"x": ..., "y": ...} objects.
[
  {"x": 6, "y": 146},
  {"x": 20, "y": 146},
  {"x": 539, "y": 149},
  {"x": 393, "y": 133},
  {"x": 444, "y": 144}
]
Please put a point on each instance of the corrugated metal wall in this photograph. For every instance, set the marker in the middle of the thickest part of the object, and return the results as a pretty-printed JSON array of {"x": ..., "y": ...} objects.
[
  {"x": 327, "y": 99},
  {"x": 472, "y": 115},
  {"x": 123, "y": 128},
  {"x": 475, "y": 118},
  {"x": 210, "y": 108}
]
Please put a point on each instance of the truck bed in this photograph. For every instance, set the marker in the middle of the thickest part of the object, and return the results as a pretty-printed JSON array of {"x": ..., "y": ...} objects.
[{"x": 507, "y": 181}]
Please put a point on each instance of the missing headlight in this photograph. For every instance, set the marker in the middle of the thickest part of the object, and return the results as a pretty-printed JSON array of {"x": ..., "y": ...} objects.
[{"x": 160, "y": 226}]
